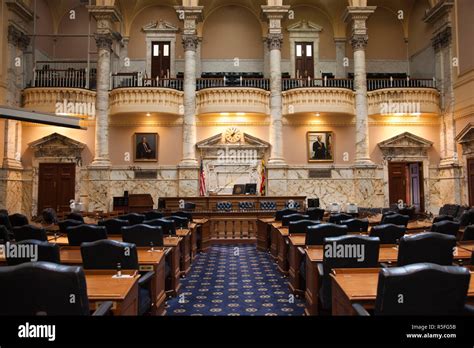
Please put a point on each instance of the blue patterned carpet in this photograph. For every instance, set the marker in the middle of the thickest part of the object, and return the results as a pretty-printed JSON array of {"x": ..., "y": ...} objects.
[{"x": 234, "y": 280}]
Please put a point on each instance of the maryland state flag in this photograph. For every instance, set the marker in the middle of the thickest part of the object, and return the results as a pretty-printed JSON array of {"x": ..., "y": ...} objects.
[{"x": 263, "y": 181}]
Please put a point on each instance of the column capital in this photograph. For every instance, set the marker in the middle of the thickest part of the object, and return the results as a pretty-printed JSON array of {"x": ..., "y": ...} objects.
[
  {"x": 190, "y": 42},
  {"x": 274, "y": 41},
  {"x": 359, "y": 41},
  {"x": 442, "y": 39},
  {"x": 104, "y": 41},
  {"x": 17, "y": 37}
]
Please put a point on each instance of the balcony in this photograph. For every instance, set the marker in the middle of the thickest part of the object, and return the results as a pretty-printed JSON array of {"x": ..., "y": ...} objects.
[{"x": 70, "y": 74}]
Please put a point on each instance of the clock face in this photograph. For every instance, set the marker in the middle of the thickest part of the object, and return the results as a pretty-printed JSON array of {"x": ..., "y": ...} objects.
[{"x": 233, "y": 135}]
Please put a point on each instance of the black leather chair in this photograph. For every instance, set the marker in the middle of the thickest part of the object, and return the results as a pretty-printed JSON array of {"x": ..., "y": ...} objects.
[
  {"x": 446, "y": 227},
  {"x": 337, "y": 218},
  {"x": 315, "y": 213},
  {"x": 46, "y": 290},
  {"x": 388, "y": 233},
  {"x": 143, "y": 235},
  {"x": 29, "y": 232},
  {"x": 85, "y": 233},
  {"x": 107, "y": 254},
  {"x": 49, "y": 216},
  {"x": 443, "y": 218},
  {"x": 152, "y": 215},
  {"x": 426, "y": 247},
  {"x": 45, "y": 252},
  {"x": 408, "y": 211},
  {"x": 4, "y": 221},
  {"x": 396, "y": 219},
  {"x": 427, "y": 289},
  {"x": 114, "y": 226},
  {"x": 280, "y": 213},
  {"x": 468, "y": 233},
  {"x": 358, "y": 252},
  {"x": 75, "y": 216},
  {"x": 293, "y": 217},
  {"x": 449, "y": 209},
  {"x": 168, "y": 227},
  {"x": 18, "y": 220},
  {"x": 184, "y": 214},
  {"x": 133, "y": 218},
  {"x": 300, "y": 226},
  {"x": 315, "y": 234},
  {"x": 179, "y": 222},
  {"x": 4, "y": 235},
  {"x": 63, "y": 225},
  {"x": 356, "y": 225}
]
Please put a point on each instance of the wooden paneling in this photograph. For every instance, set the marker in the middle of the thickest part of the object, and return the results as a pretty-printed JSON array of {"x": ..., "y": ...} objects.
[{"x": 56, "y": 185}]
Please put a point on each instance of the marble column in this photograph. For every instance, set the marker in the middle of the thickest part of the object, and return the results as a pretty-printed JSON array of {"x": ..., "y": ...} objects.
[
  {"x": 275, "y": 13},
  {"x": 340, "y": 71},
  {"x": 190, "y": 43},
  {"x": 359, "y": 39}
]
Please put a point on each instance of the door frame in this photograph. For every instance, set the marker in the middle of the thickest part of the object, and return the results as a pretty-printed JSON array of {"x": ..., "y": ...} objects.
[
  {"x": 160, "y": 45},
  {"x": 56, "y": 164}
]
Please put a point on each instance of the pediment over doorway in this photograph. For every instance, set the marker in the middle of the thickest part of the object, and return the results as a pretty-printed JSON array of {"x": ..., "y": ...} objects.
[
  {"x": 466, "y": 139},
  {"x": 405, "y": 145},
  {"x": 57, "y": 145},
  {"x": 210, "y": 145}
]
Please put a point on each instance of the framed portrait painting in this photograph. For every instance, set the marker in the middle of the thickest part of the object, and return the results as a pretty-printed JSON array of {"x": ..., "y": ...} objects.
[
  {"x": 145, "y": 147},
  {"x": 320, "y": 146}
]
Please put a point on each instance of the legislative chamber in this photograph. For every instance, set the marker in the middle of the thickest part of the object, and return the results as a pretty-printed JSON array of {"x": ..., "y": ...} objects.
[{"x": 289, "y": 158}]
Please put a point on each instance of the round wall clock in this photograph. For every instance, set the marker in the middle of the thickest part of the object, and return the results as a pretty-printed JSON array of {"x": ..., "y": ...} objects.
[{"x": 233, "y": 135}]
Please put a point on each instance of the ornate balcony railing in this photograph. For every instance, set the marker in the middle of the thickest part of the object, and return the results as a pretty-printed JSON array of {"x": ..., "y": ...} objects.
[
  {"x": 71, "y": 74},
  {"x": 303, "y": 100},
  {"x": 291, "y": 83},
  {"x": 233, "y": 99},
  {"x": 60, "y": 100},
  {"x": 127, "y": 80},
  {"x": 374, "y": 84},
  {"x": 403, "y": 101},
  {"x": 260, "y": 83}
]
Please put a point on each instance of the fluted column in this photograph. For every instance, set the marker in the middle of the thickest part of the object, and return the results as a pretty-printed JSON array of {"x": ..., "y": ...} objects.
[
  {"x": 274, "y": 41},
  {"x": 359, "y": 39},
  {"x": 191, "y": 16},
  {"x": 104, "y": 16}
]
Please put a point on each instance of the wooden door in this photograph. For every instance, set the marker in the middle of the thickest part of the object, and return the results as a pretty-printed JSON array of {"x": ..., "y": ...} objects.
[
  {"x": 56, "y": 185},
  {"x": 160, "y": 59},
  {"x": 304, "y": 60},
  {"x": 416, "y": 186},
  {"x": 397, "y": 185},
  {"x": 470, "y": 180}
]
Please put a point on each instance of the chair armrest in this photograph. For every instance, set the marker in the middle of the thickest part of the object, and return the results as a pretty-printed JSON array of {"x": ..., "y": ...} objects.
[
  {"x": 167, "y": 251},
  {"x": 469, "y": 310},
  {"x": 301, "y": 250},
  {"x": 320, "y": 269},
  {"x": 144, "y": 279},
  {"x": 360, "y": 310},
  {"x": 103, "y": 309}
]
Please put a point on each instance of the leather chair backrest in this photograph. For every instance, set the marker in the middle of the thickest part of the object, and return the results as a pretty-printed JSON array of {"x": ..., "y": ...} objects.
[
  {"x": 29, "y": 232},
  {"x": 426, "y": 289},
  {"x": 300, "y": 225},
  {"x": 107, "y": 254},
  {"x": 468, "y": 233},
  {"x": 179, "y": 221},
  {"x": 356, "y": 225},
  {"x": 293, "y": 217},
  {"x": 133, "y": 218},
  {"x": 152, "y": 215},
  {"x": 185, "y": 214},
  {"x": 75, "y": 216},
  {"x": 449, "y": 209},
  {"x": 168, "y": 227},
  {"x": 426, "y": 247},
  {"x": 34, "y": 250},
  {"x": 114, "y": 226},
  {"x": 396, "y": 219},
  {"x": 5, "y": 221},
  {"x": 63, "y": 225},
  {"x": 316, "y": 234},
  {"x": 350, "y": 252},
  {"x": 337, "y": 218},
  {"x": 268, "y": 205},
  {"x": 388, "y": 233},
  {"x": 143, "y": 235},
  {"x": 315, "y": 213},
  {"x": 49, "y": 216},
  {"x": 446, "y": 227},
  {"x": 280, "y": 213},
  {"x": 85, "y": 233},
  {"x": 443, "y": 218},
  {"x": 18, "y": 220},
  {"x": 46, "y": 289},
  {"x": 4, "y": 235},
  {"x": 408, "y": 211}
]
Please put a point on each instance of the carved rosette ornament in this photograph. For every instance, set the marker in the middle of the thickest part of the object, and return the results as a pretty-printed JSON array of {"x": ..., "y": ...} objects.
[
  {"x": 190, "y": 42},
  {"x": 274, "y": 41},
  {"x": 103, "y": 41},
  {"x": 359, "y": 42}
]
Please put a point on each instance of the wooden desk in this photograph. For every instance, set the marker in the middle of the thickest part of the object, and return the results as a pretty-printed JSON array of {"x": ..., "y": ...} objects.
[
  {"x": 185, "y": 246},
  {"x": 359, "y": 285},
  {"x": 388, "y": 254},
  {"x": 282, "y": 249},
  {"x": 294, "y": 262},
  {"x": 147, "y": 260},
  {"x": 274, "y": 226},
  {"x": 263, "y": 233},
  {"x": 418, "y": 226},
  {"x": 468, "y": 245},
  {"x": 172, "y": 285},
  {"x": 123, "y": 292}
]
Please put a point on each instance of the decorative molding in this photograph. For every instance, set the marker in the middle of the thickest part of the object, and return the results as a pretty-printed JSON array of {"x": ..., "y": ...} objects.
[
  {"x": 160, "y": 26},
  {"x": 45, "y": 99},
  {"x": 466, "y": 139},
  {"x": 190, "y": 42},
  {"x": 406, "y": 145},
  {"x": 423, "y": 100},
  {"x": 234, "y": 99},
  {"x": 104, "y": 41},
  {"x": 442, "y": 39},
  {"x": 18, "y": 38},
  {"x": 57, "y": 146},
  {"x": 338, "y": 100},
  {"x": 274, "y": 41}
]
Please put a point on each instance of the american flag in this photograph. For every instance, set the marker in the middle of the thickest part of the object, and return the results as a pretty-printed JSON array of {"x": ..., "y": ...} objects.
[
  {"x": 202, "y": 181},
  {"x": 263, "y": 184}
]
